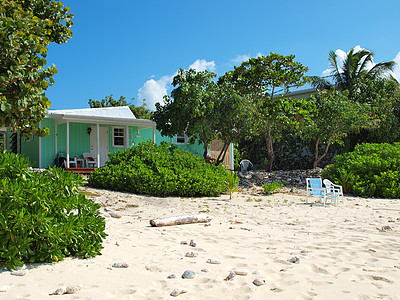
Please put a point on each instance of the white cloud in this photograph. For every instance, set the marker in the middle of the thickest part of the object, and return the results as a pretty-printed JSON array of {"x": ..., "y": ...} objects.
[
  {"x": 340, "y": 58},
  {"x": 396, "y": 70},
  {"x": 155, "y": 90},
  {"x": 241, "y": 58},
  {"x": 202, "y": 65}
]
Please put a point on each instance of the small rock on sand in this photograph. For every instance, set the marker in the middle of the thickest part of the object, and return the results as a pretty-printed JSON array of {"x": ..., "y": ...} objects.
[
  {"x": 230, "y": 276},
  {"x": 19, "y": 273},
  {"x": 72, "y": 289},
  {"x": 259, "y": 281},
  {"x": 172, "y": 276},
  {"x": 188, "y": 274},
  {"x": 294, "y": 260},
  {"x": 191, "y": 254},
  {"x": 241, "y": 272},
  {"x": 177, "y": 292},
  {"x": 115, "y": 214},
  {"x": 120, "y": 265},
  {"x": 60, "y": 291},
  {"x": 193, "y": 243},
  {"x": 184, "y": 242},
  {"x": 205, "y": 270},
  {"x": 213, "y": 261}
]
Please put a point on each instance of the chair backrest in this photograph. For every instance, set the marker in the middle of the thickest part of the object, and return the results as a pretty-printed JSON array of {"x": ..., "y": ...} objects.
[
  {"x": 244, "y": 165},
  {"x": 87, "y": 155},
  {"x": 315, "y": 186},
  {"x": 329, "y": 186}
]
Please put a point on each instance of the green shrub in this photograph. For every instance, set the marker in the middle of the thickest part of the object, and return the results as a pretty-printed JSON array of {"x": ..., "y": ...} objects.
[
  {"x": 163, "y": 170},
  {"x": 371, "y": 170},
  {"x": 43, "y": 217},
  {"x": 272, "y": 187}
]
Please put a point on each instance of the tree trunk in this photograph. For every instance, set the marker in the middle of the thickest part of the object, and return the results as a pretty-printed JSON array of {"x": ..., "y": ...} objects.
[
  {"x": 270, "y": 150},
  {"x": 202, "y": 218},
  {"x": 222, "y": 154},
  {"x": 318, "y": 159}
]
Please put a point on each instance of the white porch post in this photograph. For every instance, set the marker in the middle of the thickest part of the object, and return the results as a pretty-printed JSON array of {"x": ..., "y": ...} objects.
[
  {"x": 127, "y": 137},
  {"x": 40, "y": 148},
  {"x": 153, "y": 132},
  {"x": 67, "y": 144},
  {"x": 98, "y": 144}
]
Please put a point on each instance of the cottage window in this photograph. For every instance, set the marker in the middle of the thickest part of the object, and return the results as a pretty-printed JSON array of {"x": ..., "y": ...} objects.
[
  {"x": 118, "y": 137},
  {"x": 180, "y": 139}
]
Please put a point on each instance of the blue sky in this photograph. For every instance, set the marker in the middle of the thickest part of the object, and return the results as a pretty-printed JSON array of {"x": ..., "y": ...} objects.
[{"x": 133, "y": 48}]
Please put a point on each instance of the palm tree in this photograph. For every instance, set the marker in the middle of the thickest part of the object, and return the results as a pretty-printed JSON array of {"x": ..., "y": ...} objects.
[{"x": 356, "y": 66}]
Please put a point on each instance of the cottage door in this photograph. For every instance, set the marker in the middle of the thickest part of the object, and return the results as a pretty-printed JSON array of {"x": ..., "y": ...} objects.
[{"x": 104, "y": 142}]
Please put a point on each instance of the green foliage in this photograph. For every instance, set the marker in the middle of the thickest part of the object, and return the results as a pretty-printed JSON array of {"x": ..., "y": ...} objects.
[
  {"x": 354, "y": 70},
  {"x": 163, "y": 170},
  {"x": 43, "y": 217},
  {"x": 109, "y": 101},
  {"x": 272, "y": 187},
  {"x": 371, "y": 170},
  {"x": 335, "y": 116},
  {"x": 260, "y": 78},
  {"x": 26, "y": 30},
  {"x": 232, "y": 182},
  {"x": 189, "y": 110}
]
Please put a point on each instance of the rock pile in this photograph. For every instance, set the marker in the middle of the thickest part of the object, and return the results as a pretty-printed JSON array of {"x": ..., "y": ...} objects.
[{"x": 292, "y": 179}]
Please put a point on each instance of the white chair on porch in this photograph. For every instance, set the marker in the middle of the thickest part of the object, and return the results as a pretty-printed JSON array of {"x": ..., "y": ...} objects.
[
  {"x": 90, "y": 161},
  {"x": 73, "y": 161}
]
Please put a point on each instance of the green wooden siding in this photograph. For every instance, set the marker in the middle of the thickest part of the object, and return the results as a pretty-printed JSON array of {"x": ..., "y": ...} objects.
[
  {"x": 48, "y": 149},
  {"x": 30, "y": 149},
  {"x": 79, "y": 141}
]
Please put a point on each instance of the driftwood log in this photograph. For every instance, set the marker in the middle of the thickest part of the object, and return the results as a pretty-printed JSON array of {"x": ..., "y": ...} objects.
[{"x": 202, "y": 218}]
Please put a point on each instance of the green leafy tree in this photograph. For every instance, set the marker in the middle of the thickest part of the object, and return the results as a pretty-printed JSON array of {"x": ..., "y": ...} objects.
[
  {"x": 356, "y": 67},
  {"x": 27, "y": 27},
  {"x": 231, "y": 116},
  {"x": 190, "y": 108},
  {"x": 261, "y": 78},
  {"x": 108, "y": 101},
  {"x": 335, "y": 116},
  {"x": 140, "y": 112}
]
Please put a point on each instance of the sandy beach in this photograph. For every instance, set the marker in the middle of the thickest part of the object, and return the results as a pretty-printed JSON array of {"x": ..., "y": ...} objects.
[{"x": 294, "y": 250}]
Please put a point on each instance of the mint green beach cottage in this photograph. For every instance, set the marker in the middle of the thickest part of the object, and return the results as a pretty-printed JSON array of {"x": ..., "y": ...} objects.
[{"x": 97, "y": 131}]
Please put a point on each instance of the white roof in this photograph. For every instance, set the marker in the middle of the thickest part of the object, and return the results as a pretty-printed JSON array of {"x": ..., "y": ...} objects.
[
  {"x": 119, "y": 112},
  {"x": 120, "y": 115}
]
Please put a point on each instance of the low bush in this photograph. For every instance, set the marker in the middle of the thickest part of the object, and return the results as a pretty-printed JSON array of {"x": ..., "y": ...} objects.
[
  {"x": 272, "y": 188},
  {"x": 163, "y": 170},
  {"x": 371, "y": 170},
  {"x": 43, "y": 217}
]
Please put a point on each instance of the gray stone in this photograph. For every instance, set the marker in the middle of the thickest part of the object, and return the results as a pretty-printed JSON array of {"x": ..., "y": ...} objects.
[
  {"x": 213, "y": 261},
  {"x": 120, "y": 265},
  {"x": 230, "y": 276},
  {"x": 259, "y": 281},
  {"x": 18, "y": 273},
  {"x": 188, "y": 274},
  {"x": 116, "y": 214},
  {"x": 294, "y": 260},
  {"x": 172, "y": 276},
  {"x": 193, "y": 243},
  {"x": 177, "y": 292}
]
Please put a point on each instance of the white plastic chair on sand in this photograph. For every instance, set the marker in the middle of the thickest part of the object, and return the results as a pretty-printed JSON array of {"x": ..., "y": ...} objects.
[
  {"x": 245, "y": 164},
  {"x": 333, "y": 188},
  {"x": 315, "y": 188}
]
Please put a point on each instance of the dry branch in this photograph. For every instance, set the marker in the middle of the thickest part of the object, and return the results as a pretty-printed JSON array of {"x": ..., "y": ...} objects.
[{"x": 202, "y": 218}]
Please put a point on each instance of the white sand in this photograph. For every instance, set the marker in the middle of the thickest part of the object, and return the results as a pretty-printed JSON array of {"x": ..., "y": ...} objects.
[{"x": 342, "y": 253}]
